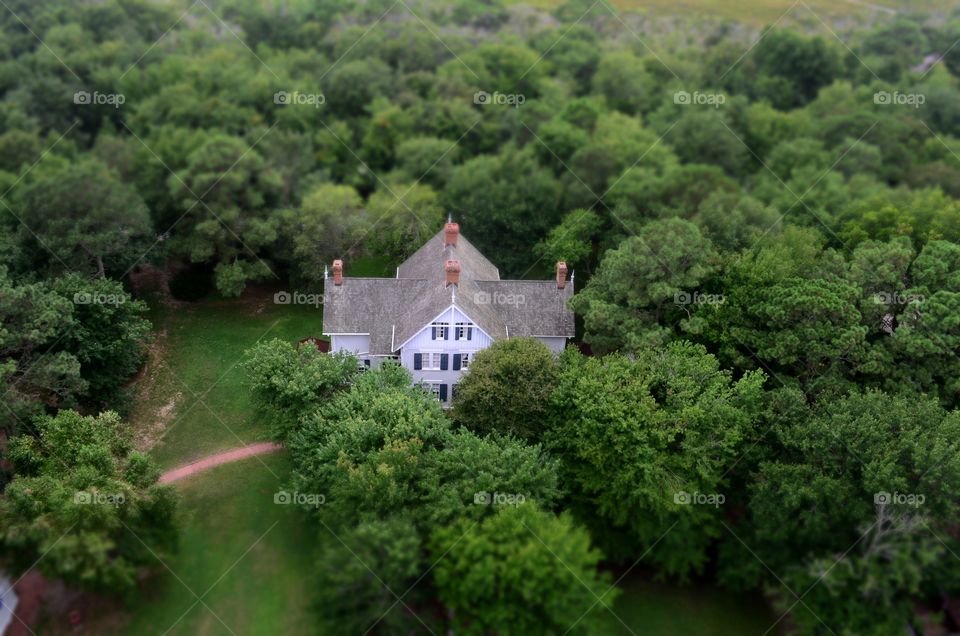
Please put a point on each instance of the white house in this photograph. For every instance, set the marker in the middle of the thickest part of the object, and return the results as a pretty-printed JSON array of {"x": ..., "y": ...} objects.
[{"x": 446, "y": 303}]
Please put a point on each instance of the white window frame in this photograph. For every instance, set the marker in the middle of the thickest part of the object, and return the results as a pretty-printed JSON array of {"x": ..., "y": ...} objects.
[
  {"x": 443, "y": 329},
  {"x": 465, "y": 359},
  {"x": 434, "y": 388},
  {"x": 461, "y": 330},
  {"x": 427, "y": 360}
]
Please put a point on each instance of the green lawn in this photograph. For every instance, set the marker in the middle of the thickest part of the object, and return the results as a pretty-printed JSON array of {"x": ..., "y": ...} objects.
[
  {"x": 193, "y": 400},
  {"x": 250, "y": 560}
]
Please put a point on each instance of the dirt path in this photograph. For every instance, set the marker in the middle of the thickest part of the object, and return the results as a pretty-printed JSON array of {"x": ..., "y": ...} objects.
[{"x": 260, "y": 448}]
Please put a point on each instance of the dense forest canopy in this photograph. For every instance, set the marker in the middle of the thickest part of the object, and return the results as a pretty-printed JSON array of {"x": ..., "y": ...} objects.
[{"x": 764, "y": 225}]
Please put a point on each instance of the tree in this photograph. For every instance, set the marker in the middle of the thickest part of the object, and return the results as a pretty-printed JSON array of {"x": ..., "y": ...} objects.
[
  {"x": 506, "y": 201},
  {"x": 792, "y": 67},
  {"x": 623, "y": 79},
  {"x": 32, "y": 317},
  {"x": 703, "y": 137},
  {"x": 636, "y": 285},
  {"x": 867, "y": 480},
  {"x": 107, "y": 334},
  {"x": 225, "y": 191},
  {"x": 328, "y": 224},
  {"x": 362, "y": 573},
  {"x": 521, "y": 571},
  {"x": 83, "y": 506},
  {"x": 400, "y": 219},
  {"x": 385, "y": 448},
  {"x": 507, "y": 388},
  {"x": 87, "y": 218},
  {"x": 429, "y": 159},
  {"x": 646, "y": 446},
  {"x": 572, "y": 240},
  {"x": 288, "y": 382}
]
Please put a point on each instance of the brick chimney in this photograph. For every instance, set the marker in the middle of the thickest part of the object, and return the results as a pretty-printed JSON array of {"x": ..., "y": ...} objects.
[
  {"x": 338, "y": 272},
  {"x": 452, "y": 268},
  {"x": 561, "y": 274},
  {"x": 451, "y": 232}
]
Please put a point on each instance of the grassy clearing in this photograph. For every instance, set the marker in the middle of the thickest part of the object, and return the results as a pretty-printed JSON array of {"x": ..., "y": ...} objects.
[
  {"x": 193, "y": 400},
  {"x": 248, "y": 558}
]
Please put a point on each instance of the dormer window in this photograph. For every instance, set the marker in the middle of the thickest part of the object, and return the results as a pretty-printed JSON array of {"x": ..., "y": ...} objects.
[{"x": 439, "y": 331}]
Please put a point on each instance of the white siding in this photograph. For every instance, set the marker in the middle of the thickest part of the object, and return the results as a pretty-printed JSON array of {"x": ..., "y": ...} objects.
[
  {"x": 353, "y": 344},
  {"x": 423, "y": 343},
  {"x": 554, "y": 343}
]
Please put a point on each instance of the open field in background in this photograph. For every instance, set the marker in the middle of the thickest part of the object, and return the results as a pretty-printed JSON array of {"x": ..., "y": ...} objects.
[{"x": 764, "y": 12}]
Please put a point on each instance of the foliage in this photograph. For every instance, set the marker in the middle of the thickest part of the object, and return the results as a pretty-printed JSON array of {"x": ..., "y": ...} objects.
[
  {"x": 507, "y": 389},
  {"x": 83, "y": 506},
  {"x": 521, "y": 571},
  {"x": 289, "y": 381},
  {"x": 639, "y": 439}
]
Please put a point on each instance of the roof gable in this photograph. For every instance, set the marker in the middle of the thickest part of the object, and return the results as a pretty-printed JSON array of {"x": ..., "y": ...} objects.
[{"x": 394, "y": 310}]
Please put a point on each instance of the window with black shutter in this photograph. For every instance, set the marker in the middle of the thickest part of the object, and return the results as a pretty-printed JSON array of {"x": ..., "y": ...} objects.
[
  {"x": 456, "y": 362},
  {"x": 443, "y": 392},
  {"x": 444, "y": 361},
  {"x": 417, "y": 361}
]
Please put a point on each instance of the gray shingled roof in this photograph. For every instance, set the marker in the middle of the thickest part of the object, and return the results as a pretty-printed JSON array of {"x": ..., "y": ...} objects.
[{"x": 392, "y": 310}]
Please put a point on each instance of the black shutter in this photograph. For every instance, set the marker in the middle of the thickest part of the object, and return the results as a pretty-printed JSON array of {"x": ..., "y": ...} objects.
[
  {"x": 444, "y": 361},
  {"x": 469, "y": 333},
  {"x": 456, "y": 362},
  {"x": 446, "y": 332},
  {"x": 366, "y": 363},
  {"x": 433, "y": 333},
  {"x": 443, "y": 392},
  {"x": 456, "y": 332},
  {"x": 417, "y": 361}
]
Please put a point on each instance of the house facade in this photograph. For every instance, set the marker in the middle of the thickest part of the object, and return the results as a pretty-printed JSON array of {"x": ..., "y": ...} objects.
[{"x": 446, "y": 303}]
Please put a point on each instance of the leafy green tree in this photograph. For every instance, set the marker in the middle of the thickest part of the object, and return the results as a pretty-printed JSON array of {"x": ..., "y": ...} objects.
[
  {"x": 521, "y": 571},
  {"x": 327, "y": 225},
  {"x": 702, "y": 137},
  {"x": 86, "y": 217},
  {"x": 863, "y": 480},
  {"x": 638, "y": 284},
  {"x": 429, "y": 159},
  {"x": 792, "y": 67},
  {"x": 572, "y": 240},
  {"x": 384, "y": 448},
  {"x": 225, "y": 191},
  {"x": 507, "y": 389},
  {"x": 639, "y": 438},
  {"x": 680, "y": 190},
  {"x": 623, "y": 79},
  {"x": 288, "y": 382},
  {"x": 362, "y": 573},
  {"x": 351, "y": 86},
  {"x": 927, "y": 332},
  {"x": 30, "y": 316},
  {"x": 83, "y": 506},
  {"x": 400, "y": 219},
  {"x": 108, "y": 330},
  {"x": 504, "y": 203}
]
